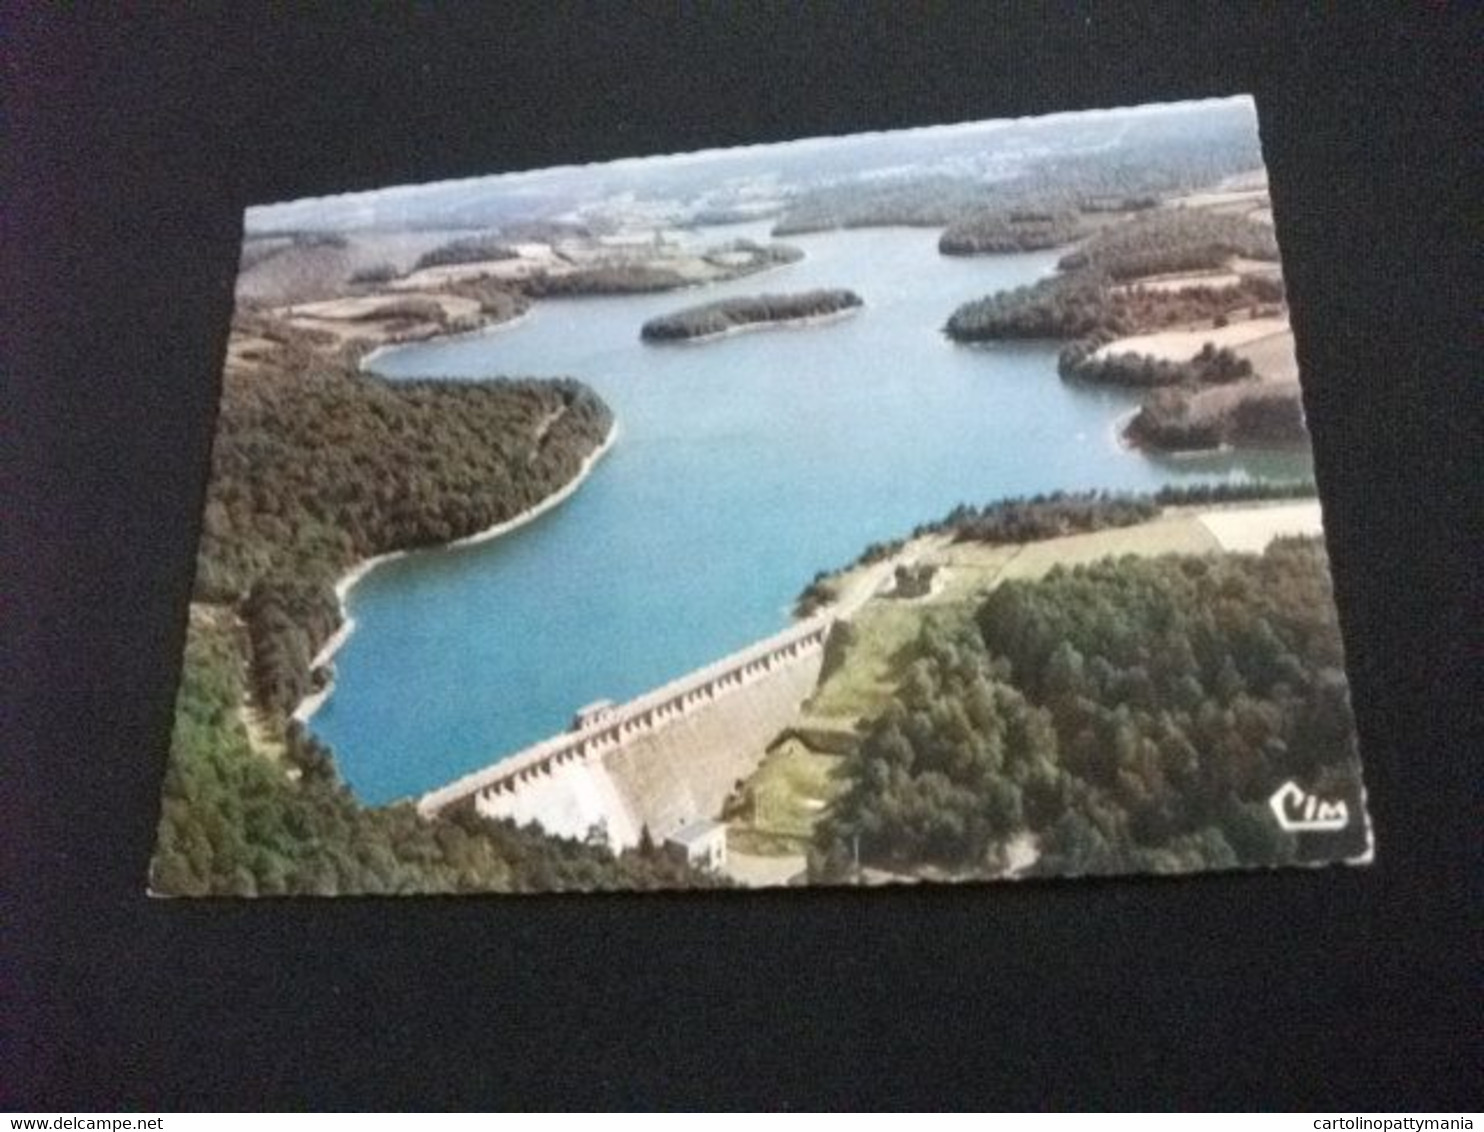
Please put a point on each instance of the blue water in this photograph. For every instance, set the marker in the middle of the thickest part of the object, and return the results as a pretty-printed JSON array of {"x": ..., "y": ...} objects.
[{"x": 743, "y": 466}]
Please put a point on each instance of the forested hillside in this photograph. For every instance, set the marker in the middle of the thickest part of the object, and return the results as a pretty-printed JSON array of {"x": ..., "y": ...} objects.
[
  {"x": 314, "y": 468},
  {"x": 1177, "y": 419},
  {"x": 1210, "y": 366},
  {"x": 1087, "y": 306},
  {"x": 1131, "y": 715},
  {"x": 1179, "y": 239},
  {"x": 1015, "y": 230},
  {"x": 234, "y": 822},
  {"x": 1118, "y": 284}
]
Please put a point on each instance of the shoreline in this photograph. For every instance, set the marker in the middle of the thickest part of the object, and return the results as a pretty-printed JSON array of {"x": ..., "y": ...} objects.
[
  {"x": 365, "y": 360},
  {"x": 304, "y": 711},
  {"x": 1120, "y": 426},
  {"x": 761, "y": 324}
]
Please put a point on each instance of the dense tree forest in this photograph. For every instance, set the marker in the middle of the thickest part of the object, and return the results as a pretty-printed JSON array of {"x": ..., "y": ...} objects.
[
  {"x": 1088, "y": 308},
  {"x": 1233, "y": 491},
  {"x": 603, "y": 279},
  {"x": 1179, "y": 239},
  {"x": 710, "y": 319},
  {"x": 1177, "y": 419},
  {"x": 1130, "y": 715},
  {"x": 235, "y": 822},
  {"x": 1016, "y": 230},
  {"x": 316, "y": 467},
  {"x": 1210, "y": 366},
  {"x": 468, "y": 249}
]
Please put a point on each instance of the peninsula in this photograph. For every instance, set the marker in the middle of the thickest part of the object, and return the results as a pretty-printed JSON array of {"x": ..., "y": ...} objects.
[
  {"x": 1184, "y": 300},
  {"x": 321, "y": 470}
]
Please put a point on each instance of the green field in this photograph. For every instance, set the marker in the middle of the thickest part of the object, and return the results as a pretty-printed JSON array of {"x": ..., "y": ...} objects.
[
  {"x": 785, "y": 798},
  {"x": 1169, "y": 534}
]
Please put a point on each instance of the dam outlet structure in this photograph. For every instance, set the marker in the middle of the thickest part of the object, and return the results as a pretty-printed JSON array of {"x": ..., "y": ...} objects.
[{"x": 659, "y": 761}]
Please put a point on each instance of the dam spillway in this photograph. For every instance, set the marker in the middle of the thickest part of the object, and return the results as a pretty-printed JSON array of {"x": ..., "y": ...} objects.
[{"x": 661, "y": 760}]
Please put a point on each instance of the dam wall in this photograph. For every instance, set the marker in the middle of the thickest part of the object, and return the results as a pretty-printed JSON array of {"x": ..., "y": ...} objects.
[{"x": 663, "y": 759}]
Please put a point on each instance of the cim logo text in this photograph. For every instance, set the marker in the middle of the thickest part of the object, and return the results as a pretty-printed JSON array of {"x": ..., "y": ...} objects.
[{"x": 1298, "y": 811}]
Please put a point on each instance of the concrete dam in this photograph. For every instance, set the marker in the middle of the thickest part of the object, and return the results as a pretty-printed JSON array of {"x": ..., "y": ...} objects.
[{"x": 661, "y": 760}]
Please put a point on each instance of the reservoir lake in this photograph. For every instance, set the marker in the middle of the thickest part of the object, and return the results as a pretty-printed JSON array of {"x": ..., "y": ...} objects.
[{"x": 742, "y": 467}]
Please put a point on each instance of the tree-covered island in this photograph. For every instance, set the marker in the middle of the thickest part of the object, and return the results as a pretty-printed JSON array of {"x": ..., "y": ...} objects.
[{"x": 726, "y": 316}]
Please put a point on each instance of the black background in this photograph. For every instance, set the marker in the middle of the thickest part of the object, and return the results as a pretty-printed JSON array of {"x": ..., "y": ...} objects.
[{"x": 134, "y": 142}]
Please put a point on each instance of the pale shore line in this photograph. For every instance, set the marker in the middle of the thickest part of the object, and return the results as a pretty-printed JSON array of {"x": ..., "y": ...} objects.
[
  {"x": 452, "y": 336},
  {"x": 1119, "y": 428},
  {"x": 761, "y": 324},
  {"x": 346, "y": 582}
]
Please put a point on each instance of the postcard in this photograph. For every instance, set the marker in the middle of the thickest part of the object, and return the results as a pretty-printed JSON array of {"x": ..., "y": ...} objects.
[{"x": 924, "y": 506}]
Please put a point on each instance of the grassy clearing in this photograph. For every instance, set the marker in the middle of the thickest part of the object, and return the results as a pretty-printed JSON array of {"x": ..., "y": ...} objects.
[
  {"x": 1178, "y": 534},
  {"x": 789, "y": 792},
  {"x": 1250, "y": 529},
  {"x": 1182, "y": 345},
  {"x": 883, "y": 632},
  {"x": 885, "y": 627}
]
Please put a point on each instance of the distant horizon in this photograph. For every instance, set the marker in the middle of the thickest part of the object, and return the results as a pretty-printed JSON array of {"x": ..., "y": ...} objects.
[{"x": 282, "y": 217}]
